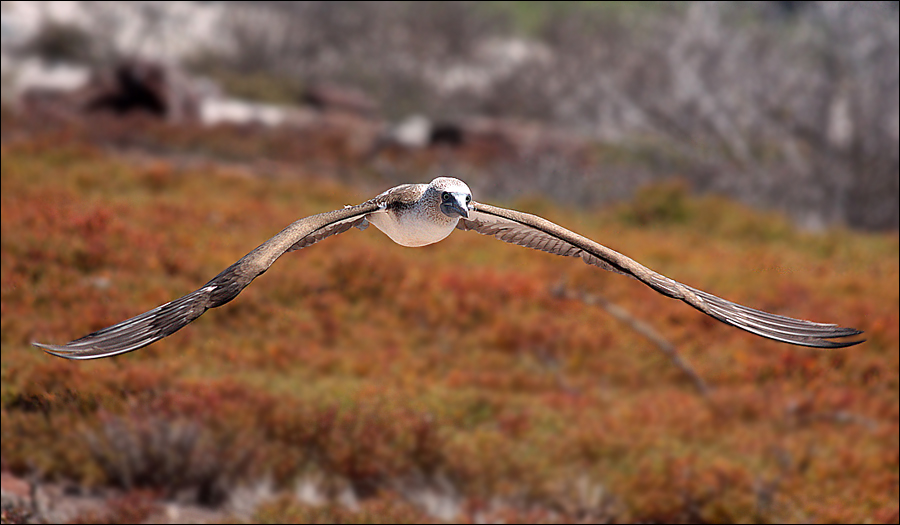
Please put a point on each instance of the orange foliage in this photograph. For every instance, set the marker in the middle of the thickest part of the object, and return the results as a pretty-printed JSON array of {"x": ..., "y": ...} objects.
[{"x": 369, "y": 363}]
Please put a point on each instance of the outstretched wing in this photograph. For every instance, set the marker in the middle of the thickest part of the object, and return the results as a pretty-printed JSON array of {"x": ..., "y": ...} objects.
[
  {"x": 535, "y": 232},
  {"x": 167, "y": 319}
]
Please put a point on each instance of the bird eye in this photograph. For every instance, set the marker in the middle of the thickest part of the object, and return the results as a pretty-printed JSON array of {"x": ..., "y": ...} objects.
[
  {"x": 468, "y": 199},
  {"x": 445, "y": 196}
]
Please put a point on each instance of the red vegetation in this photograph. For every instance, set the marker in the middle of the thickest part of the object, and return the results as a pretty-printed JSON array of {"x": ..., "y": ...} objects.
[{"x": 370, "y": 365}]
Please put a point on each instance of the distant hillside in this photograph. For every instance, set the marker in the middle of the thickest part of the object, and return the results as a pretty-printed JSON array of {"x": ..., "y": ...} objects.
[{"x": 788, "y": 106}]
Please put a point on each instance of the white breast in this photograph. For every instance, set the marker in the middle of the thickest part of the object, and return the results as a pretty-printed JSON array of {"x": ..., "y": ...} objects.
[{"x": 413, "y": 228}]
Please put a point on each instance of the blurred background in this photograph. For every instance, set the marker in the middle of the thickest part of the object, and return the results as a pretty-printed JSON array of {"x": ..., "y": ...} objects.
[
  {"x": 148, "y": 145},
  {"x": 784, "y": 105}
]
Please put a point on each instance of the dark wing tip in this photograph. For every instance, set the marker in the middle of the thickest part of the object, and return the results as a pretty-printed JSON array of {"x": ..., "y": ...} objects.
[
  {"x": 773, "y": 326},
  {"x": 824, "y": 341},
  {"x": 63, "y": 351},
  {"x": 137, "y": 332},
  {"x": 85, "y": 350},
  {"x": 817, "y": 336},
  {"x": 843, "y": 344}
]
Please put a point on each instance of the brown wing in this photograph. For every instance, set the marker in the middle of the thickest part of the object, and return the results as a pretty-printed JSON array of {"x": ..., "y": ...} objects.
[
  {"x": 167, "y": 319},
  {"x": 535, "y": 232}
]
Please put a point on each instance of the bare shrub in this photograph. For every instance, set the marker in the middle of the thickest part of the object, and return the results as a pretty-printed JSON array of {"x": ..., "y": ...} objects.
[
  {"x": 790, "y": 110},
  {"x": 177, "y": 457},
  {"x": 793, "y": 108}
]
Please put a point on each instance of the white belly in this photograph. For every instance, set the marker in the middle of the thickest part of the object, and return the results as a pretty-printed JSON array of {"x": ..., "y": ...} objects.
[{"x": 411, "y": 229}]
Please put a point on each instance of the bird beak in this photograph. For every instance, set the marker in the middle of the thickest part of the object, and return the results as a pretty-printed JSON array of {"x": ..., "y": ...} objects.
[
  {"x": 460, "y": 206},
  {"x": 457, "y": 206}
]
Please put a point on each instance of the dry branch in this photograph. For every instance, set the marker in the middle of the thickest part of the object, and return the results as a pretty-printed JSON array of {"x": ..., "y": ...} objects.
[{"x": 642, "y": 328}]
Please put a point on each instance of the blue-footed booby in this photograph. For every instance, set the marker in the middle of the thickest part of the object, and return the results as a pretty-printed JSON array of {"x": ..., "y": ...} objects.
[{"x": 418, "y": 215}]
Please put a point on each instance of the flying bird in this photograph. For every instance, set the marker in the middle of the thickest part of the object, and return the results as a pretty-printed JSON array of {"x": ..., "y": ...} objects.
[{"x": 418, "y": 215}]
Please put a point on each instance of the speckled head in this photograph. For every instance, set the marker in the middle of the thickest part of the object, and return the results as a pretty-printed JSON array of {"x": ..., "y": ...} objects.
[{"x": 455, "y": 196}]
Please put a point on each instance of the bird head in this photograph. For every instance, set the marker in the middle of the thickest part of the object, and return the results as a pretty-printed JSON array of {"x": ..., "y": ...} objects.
[{"x": 454, "y": 196}]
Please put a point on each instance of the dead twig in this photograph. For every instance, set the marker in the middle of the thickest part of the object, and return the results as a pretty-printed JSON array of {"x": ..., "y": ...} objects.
[{"x": 644, "y": 329}]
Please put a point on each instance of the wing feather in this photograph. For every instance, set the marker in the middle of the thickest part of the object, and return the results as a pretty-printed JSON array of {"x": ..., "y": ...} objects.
[
  {"x": 535, "y": 232},
  {"x": 164, "y": 320}
]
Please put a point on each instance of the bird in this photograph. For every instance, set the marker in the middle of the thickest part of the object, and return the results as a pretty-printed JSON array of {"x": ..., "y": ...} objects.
[{"x": 418, "y": 215}]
